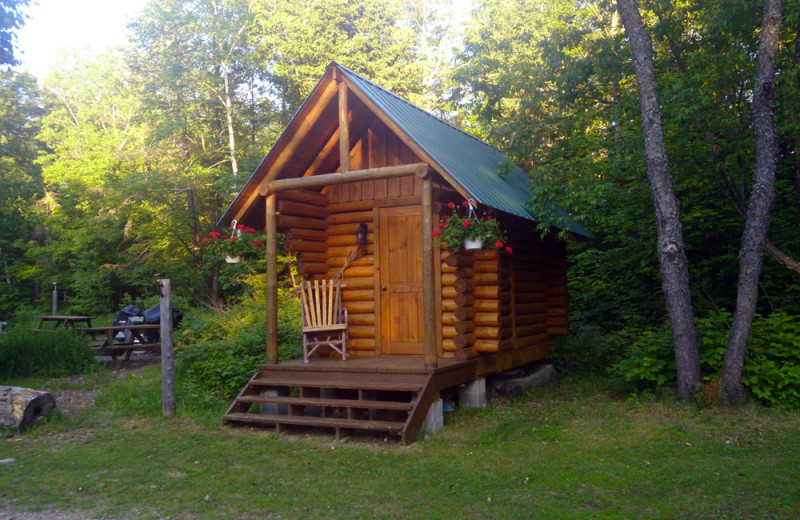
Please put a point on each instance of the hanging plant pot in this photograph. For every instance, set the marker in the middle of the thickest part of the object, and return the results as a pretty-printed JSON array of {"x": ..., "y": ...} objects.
[
  {"x": 473, "y": 243},
  {"x": 233, "y": 259}
]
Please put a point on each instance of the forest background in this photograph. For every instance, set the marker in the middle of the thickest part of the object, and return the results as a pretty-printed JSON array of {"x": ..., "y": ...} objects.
[{"x": 118, "y": 165}]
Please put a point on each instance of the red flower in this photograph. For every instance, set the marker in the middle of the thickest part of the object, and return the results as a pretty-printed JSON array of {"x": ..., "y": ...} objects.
[
  {"x": 498, "y": 244},
  {"x": 464, "y": 204},
  {"x": 434, "y": 234},
  {"x": 257, "y": 243},
  {"x": 240, "y": 226},
  {"x": 205, "y": 240},
  {"x": 508, "y": 249},
  {"x": 233, "y": 239},
  {"x": 447, "y": 219},
  {"x": 496, "y": 256},
  {"x": 249, "y": 230},
  {"x": 214, "y": 234},
  {"x": 225, "y": 236},
  {"x": 441, "y": 225},
  {"x": 451, "y": 205},
  {"x": 465, "y": 223}
]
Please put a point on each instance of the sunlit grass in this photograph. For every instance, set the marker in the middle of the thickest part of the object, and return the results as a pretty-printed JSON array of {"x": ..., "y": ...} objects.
[{"x": 567, "y": 451}]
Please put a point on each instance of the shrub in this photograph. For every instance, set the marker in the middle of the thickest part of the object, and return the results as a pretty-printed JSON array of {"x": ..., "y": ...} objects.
[
  {"x": 224, "y": 356},
  {"x": 51, "y": 353},
  {"x": 771, "y": 370},
  {"x": 585, "y": 351}
]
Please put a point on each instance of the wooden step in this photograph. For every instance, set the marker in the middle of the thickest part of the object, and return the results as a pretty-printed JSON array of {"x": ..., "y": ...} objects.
[
  {"x": 337, "y": 403},
  {"x": 324, "y": 422},
  {"x": 350, "y": 384}
]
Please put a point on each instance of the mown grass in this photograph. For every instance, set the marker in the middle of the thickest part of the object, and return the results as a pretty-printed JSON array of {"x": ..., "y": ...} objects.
[{"x": 567, "y": 451}]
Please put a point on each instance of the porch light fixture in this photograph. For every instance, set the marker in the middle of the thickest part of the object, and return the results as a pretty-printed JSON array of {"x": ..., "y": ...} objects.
[{"x": 361, "y": 234}]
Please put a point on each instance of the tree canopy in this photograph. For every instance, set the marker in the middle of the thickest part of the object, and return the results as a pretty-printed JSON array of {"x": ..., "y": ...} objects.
[{"x": 121, "y": 162}]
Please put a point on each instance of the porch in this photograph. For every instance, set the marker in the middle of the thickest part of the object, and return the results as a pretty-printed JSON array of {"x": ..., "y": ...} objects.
[{"x": 391, "y": 394}]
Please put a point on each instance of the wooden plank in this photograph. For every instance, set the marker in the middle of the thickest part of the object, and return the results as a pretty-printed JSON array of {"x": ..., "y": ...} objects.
[
  {"x": 288, "y": 221},
  {"x": 287, "y": 207},
  {"x": 305, "y": 197},
  {"x": 349, "y": 218},
  {"x": 315, "y": 235}
]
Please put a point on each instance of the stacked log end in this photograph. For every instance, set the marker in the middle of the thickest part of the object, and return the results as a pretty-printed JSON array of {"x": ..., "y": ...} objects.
[
  {"x": 493, "y": 325},
  {"x": 458, "y": 324}
]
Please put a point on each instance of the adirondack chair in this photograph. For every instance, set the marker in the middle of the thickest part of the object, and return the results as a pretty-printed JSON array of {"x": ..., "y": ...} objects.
[{"x": 324, "y": 317}]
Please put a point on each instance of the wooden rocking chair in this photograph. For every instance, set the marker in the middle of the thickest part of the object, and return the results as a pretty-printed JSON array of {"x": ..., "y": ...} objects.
[{"x": 324, "y": 317}]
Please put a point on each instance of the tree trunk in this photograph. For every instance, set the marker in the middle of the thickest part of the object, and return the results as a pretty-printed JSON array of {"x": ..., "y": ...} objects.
[
  {"x": 21, "y": 407},
  {"x": 671, "y": 256},
  {"x": 754, "y": 237},
  {"x": 229, "y": 119}
]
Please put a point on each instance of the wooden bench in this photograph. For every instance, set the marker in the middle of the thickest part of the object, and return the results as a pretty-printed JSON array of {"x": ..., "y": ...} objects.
[
  {"x": 105, "y": 341},
  {"x": 66, "y": 321}
]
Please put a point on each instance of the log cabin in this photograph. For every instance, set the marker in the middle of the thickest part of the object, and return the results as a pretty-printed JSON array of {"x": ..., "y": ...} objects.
[{"x": 421, "y": 320}]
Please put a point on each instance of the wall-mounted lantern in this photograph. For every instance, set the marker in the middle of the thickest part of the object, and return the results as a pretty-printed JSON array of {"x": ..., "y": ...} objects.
[{"x": 361, "y": 234}]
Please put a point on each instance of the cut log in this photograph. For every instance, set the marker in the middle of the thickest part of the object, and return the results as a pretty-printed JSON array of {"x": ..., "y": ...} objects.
[
  {"x": 542, "y": 376},
  {"x": 22, "y": 407}
]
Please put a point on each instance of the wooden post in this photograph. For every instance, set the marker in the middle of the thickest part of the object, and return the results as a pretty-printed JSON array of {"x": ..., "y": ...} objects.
[
  {"x": 55, "y": 300},
  {"x": 272, "y": 280},
  {"x": 428, "y": 282},
  {"x": 344, "y": 133},
  {"x": 167, "y": 350}
]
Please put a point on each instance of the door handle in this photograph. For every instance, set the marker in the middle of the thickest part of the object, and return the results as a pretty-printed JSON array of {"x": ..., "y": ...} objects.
[{"x": 383, "y": 287}]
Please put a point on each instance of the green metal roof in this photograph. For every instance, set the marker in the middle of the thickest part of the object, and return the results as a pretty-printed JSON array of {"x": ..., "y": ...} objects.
[{"x": 475, "y": 165}]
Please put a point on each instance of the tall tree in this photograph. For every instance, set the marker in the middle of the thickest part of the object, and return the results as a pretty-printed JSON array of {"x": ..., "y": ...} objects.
[
  {"x": 671, "y": 252},
  {"x": 11, "y": 18},
  {"x": 760, "y": 201},
  {"x": 20, "y": 181}
]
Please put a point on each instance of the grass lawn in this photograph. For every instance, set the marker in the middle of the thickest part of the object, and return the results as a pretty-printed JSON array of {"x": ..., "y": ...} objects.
[{"x": 567, "y": 451}]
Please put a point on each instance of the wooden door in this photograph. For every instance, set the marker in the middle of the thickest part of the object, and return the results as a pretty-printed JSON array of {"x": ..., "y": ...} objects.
[{"x": 400, "y": 278}]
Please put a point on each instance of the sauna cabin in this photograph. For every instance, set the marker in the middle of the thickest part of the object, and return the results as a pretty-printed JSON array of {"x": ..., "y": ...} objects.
[{"x": 360, "y": 164}]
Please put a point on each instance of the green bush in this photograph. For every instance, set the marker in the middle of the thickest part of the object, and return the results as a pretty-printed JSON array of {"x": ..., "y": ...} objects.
[
  {"x": 772, "y": 362},
  {"x": 585, "y": 351},
  {"x": 230, "y": 344},
  {"x": 771, "y": 370},
  {"x": 51, "y": 353},
  {"x": 649, "y": 360}
]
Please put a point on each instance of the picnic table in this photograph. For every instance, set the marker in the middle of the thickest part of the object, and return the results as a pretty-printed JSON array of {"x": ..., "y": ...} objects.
[
  {"x": 67, "y": 321},
  {"x": 107, "y": 340}
]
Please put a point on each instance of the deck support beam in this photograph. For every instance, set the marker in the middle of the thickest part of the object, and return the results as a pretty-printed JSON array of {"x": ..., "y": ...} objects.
[
  {"x": 330, "y": 179},
  {"x": 428, "y": 281},
  {"x": 271, "y": 230}
]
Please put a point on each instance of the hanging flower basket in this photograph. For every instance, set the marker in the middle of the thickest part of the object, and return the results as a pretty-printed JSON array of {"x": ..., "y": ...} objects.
[
  {"x": 473, "y": 243},
  {"x": 469, "y": 232},
  {"x": 244, "y": 242}
]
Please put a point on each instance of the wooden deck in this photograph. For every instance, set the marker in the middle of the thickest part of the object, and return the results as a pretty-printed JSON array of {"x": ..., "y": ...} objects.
[{"x": 384, "y": 393}]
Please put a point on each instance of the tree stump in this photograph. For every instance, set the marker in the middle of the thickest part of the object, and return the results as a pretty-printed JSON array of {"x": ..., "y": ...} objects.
[{"x": 21, "y": 407}]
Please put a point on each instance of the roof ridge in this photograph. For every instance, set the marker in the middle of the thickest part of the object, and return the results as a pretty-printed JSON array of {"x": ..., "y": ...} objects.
[{"x": 412, "y": 105}]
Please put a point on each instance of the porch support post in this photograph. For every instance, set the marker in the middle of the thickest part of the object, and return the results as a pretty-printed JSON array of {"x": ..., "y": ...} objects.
[
  {"x": 272, "y": 280},
  {"x": 344, "y": 134},
  {"x": 428, "y": 281}
]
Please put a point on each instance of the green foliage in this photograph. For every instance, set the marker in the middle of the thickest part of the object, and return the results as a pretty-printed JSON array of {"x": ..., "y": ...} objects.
[
  {"x": 52, "y": 353},
  {"x": 220, "y": 357},
  {"x": 586, "y": 351},
  {"x": 771, "y": 371}
]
